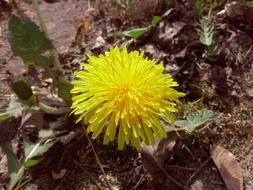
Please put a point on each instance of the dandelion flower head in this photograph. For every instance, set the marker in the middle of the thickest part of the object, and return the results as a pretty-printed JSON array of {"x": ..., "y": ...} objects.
[{"x": 126, "y": 96}]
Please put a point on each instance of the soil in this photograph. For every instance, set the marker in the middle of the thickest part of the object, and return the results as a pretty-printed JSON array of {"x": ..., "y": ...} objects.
[{"x": 224, "y": 85}]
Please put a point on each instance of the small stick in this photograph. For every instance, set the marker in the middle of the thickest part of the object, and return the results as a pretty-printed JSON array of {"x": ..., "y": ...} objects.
[
  {"x": 21, "y": 185},
  {"x": 97, "y": 159},
  {"x": 172, "y": 179},
  {"x": 181, "y": 168},
  {"x": 67, "y": 148},
  {"x": 139, "y": 182},
  {"x": 198, "y": 170},
  {"x": 189, "y": 151}
]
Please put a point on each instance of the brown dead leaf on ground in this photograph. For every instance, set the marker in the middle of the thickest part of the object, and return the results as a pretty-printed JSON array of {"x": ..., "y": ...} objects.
[
  {"x": 139, "y": 10},
  {"x": 229, "y": 168},
  {"x": 237, "y": 10},
  {"x": 154, "y": 156}
]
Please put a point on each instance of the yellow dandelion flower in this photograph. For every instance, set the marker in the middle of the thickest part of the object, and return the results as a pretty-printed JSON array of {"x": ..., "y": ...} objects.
[{"x": 124, "y": 94}]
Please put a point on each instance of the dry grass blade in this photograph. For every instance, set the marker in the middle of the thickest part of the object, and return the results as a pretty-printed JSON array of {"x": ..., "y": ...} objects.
[
  {"x": 97, "y": 158},
  {"x": 198, "y": 170}
]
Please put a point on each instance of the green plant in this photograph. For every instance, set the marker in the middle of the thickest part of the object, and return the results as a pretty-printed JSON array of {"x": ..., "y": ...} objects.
[
  {"x": 201, "y": 5},
  {"x": 33, "y": 46},
  {"x": 205, "y": 29},
  {"x": 138, "y": 32},
  {"x": 33, "y": 153},
  {"x": 193, "y": 122},
  {"x": 29, "y": 43}
]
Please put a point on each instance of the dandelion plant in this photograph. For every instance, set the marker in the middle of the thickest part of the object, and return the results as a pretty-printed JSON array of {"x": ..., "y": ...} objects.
[{"x": 125, "y": 95}]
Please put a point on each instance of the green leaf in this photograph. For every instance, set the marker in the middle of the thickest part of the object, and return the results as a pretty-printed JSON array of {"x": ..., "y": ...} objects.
[
  {"x": 46, "y": 133},
  {"x": 53, "y": 110},
  {"x": 33, "y": 150},
  {"x": 15, "y": 167},
  {"x": 135, "y": 33},
  {"x": 28, "y": 42},
  {"x": 4, "y": 116},
  {"x": 14, "y": 109},
  {"x": 32, "y": 162},
  {"x": 64, "y": 90},
  {"x": 206, "y": 30},
  {"x": 39, "y": 149},
  {"x": 13, "y": 162},
  {"x": 167, "y": 13},
  {"x": 22, "y": 89},
  {"x": 155, "y": 20},
  {"x": 192, "y": 122},
  {"x": 138, "y": 32}
]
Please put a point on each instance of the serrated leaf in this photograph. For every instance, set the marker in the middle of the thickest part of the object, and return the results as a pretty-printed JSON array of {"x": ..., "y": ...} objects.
[
  {"x": 28, "y": 42},
  {"x": 22, "y": 89},
  {"x": 206, "y": 30},
  {"x": 192, "y": 122},
  {"x": 15, "y": 167}
]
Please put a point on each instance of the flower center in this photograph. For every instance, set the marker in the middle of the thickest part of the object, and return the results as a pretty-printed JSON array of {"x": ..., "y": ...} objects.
[{"x": 123, "y": 96}]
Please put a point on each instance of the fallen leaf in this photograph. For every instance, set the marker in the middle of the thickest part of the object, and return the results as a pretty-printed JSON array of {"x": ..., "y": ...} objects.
[
  {"x": 154, "y": 156},
  {"x": 172, "y": 30},
  {"x": 100, "y": 41},
  {"x": 240, "y": 11},
  {"x": 249, "y": 92},
  {"x": 229, "y": 168},
  {"x": 139, "y": 10}
]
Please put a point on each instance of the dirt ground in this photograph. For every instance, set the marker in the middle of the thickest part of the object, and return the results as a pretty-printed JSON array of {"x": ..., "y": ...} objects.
[{"x": 225, "y": 86}]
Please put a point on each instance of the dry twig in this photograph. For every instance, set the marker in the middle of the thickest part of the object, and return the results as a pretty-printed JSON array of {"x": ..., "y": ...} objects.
[
  {"x": 97, "y": 158},
  {"x": 139, "y": 181},
  {"x": 198, "y": 170}
]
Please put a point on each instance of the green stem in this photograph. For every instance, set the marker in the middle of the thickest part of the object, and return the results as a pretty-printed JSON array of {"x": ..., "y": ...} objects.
[
  {"x": 21, "y": 185},
  {"x": 57, "y": 64}
]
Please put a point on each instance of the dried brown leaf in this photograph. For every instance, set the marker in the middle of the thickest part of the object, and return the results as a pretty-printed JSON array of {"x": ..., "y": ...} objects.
[
  {"x": 229, "y": 168},
  {"x": 154, "y": 156}
]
